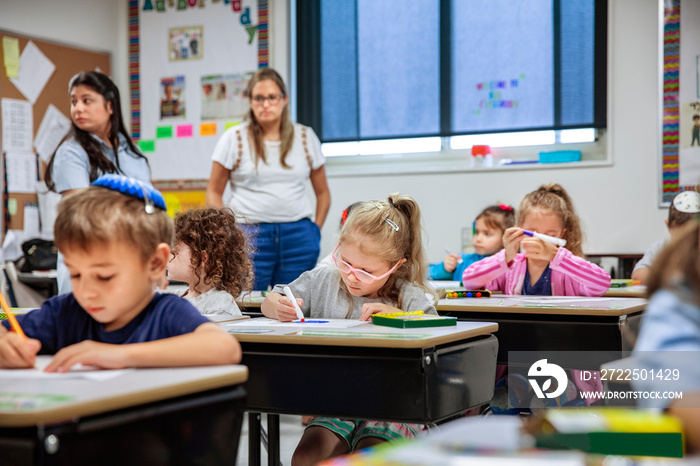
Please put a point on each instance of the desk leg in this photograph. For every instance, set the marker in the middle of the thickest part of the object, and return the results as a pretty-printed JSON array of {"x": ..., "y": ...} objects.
[
  {"x": 273, "y": 439},
  {"x": 254, "y": 427}
]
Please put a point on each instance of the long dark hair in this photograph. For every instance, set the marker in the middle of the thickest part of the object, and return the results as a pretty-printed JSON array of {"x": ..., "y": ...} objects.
[{"x": 99, "y": 164}]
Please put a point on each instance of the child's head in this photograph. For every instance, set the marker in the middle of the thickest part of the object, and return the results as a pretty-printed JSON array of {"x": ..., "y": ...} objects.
[
  {"x": 210, "y": 249},
  {"x": 489, "y": 227},
  {"x": 549, "y": 210},
  {"x": 114, "y": 250},
  {"x": 696, "y": 119},
  {"x": 679, "y": 261},
  {"x": 685, "y": 207},
  {"x": 381, "y": 235}
]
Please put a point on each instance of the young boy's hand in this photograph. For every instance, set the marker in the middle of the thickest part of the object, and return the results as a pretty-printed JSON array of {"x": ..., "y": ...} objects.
[
  {"x": 537, "y": 249},
  {"x": 15, "y": 353},
  {"x": 89, "y": 353},
  {"x": 511, "y": 242},
  {"x": 285, "y": 309},
  {"x": 450, "y": 262}
]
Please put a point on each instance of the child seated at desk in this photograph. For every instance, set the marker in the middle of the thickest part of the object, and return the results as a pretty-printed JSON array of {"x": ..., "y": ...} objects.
[
  {"x": 115, "y": 237},
  {"x": 542, "y": 268},
  {"x": 211, "y": 256},
  {"x": 685, "y": 207},
  {"x": 488, "y": 240},
  {"x": 380, "y": 267}
]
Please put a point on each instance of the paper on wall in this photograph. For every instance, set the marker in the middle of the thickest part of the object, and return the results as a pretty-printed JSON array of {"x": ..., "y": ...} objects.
[
  {"x": 53, "y": 127},
  {"x": 35, "y": 69},
  {"x": 17, "y": 125},
  {"x": 10, "y": 50},
  {"x": 31, "y": 221},
  {"x": 21, "y": 171}
]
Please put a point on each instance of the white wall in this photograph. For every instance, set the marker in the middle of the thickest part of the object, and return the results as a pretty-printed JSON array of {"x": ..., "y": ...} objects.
[{"x": 618, "y": 203}]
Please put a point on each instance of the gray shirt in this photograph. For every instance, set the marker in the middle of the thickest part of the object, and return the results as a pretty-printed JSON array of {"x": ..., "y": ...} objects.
[
  {"x": 650, "y": 254},
  {"x": 323, "y": 296}
]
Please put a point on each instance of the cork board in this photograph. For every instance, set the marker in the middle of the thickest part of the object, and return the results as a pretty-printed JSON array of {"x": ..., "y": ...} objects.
[{"x": 68, "y": 60}]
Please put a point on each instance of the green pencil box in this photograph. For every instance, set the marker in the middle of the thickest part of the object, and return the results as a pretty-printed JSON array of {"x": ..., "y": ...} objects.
[{"x": 412, "y": 320}]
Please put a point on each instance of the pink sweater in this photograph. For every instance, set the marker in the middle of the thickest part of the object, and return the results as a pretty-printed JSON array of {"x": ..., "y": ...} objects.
[{"x": 571, "y": 275}]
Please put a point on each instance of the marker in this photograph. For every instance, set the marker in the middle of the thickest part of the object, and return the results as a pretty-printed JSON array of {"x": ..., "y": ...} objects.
[
  {"x": 449, "y": 251},
  {"x": 11, "y": 317},
  {"x": 547, "y": 238},
  {"x": 290, "y": 296}
]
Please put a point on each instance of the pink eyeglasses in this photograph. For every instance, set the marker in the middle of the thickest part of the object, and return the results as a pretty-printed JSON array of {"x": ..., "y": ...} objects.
[{"x": 361, "y": 275}]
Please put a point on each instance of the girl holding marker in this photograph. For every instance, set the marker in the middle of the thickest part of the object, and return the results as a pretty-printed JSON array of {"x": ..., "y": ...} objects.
[
  {"x": 551, "y": 262},
  {"x": 380, "y": 267}
]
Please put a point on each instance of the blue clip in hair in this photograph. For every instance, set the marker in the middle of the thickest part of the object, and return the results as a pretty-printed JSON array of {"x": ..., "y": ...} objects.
[{"x": 134, "y": 188}]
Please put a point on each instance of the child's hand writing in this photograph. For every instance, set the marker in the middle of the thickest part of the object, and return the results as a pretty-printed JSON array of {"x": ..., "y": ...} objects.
[
  {"x": 90, "y": 353},
  {"x": 285, "y": 309},
  {"x": 450, "y": 262},
  {"x": 537, "y": 249},
  {"x": 16, "y": 353},
  {"x": 511, "y": 242},
  {"x": 368, "y": 309}
]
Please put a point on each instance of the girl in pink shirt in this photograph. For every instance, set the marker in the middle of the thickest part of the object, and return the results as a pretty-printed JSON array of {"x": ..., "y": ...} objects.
[{"x": 542, "y": 268}]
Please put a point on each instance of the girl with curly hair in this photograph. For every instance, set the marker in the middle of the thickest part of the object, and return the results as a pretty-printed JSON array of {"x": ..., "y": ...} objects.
[{"x": 211, "y": 256}]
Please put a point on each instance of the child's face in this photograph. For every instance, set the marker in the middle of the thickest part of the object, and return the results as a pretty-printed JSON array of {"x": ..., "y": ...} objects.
[
  {"x": 372, "y": 264},
  {"x": 179, "y": 266},
  {"x": 111, "y": 282},
  {"x": 544, "y": 221},
  {"x": 487, "y": 240}
]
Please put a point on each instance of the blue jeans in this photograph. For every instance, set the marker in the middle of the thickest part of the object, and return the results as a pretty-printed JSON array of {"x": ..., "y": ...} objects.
[{"x": 282, "y": 251}]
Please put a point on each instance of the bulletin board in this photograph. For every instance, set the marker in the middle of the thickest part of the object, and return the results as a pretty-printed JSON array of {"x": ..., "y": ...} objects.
[
  {"x": 680, "y": 146},
  {"x": 68, "y": 61},
  {"x": 189, "y": 64}
]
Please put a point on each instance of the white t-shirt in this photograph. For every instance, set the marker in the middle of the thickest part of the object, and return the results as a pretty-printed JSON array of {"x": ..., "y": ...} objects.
[
  {"x": 212, "y": 302},
  {"x": 270, "y": 193}
]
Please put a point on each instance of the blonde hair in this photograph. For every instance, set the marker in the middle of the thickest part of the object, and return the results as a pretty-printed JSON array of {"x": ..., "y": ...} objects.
[
  {"x": 553, "y": 197},
  {"x": 679, "y": 260},
  {"x": 394, "y": 228},
  {"x": 97, "y": 216},
  {"x": 255, "y": 131}
]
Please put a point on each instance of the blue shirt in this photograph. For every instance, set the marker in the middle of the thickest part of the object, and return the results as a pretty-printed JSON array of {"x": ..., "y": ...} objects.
[
  {"x": 438, "y": 272},
  {"x": 543, "y": 287},
  {"x": 61, "y": 322}
]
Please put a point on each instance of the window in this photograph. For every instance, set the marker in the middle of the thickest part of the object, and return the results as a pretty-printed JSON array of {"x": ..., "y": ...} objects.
[{"x": 381, "y": 69}]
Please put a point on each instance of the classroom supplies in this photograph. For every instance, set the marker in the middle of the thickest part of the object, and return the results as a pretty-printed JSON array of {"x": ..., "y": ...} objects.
[
  {"x": 547, "y": 238},
  {"x": 11, "y": 317},
  {"x": 622, "y": 282},
  {"x": 290, "y": 296},
  {"x": 467, "y": 294},
  {"x": 414, "y": 319},
  {"x": 449, "y": 251},
  {"x": 560, "y": 156}
]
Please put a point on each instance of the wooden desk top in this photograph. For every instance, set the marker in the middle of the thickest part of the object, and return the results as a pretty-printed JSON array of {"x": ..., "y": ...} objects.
[
  {"x": 31, "y": 400},
  {"x": 634, "y": 291},
  {"x": 555, "y": 305},
  {"x": 365, "y": 334}
]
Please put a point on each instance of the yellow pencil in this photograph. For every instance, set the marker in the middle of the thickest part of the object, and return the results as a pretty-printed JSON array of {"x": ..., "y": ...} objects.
[{"x": 11, "y": 317}]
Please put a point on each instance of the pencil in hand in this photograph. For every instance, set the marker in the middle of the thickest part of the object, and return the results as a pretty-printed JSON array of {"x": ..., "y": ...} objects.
[{"x": 11, "y": 317}]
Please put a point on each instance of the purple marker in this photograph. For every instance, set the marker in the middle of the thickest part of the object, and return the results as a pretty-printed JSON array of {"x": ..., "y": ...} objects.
[{"x": 547, "y": 238}]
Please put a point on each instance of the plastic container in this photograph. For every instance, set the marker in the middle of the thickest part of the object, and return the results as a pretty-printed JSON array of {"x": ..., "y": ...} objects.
[{"x": 560, "y": 156}]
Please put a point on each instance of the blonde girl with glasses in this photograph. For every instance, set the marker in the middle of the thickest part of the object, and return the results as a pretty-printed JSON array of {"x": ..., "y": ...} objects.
[
  {"x": 267, "y": 163},
  {"x": 380, "y": 267}
]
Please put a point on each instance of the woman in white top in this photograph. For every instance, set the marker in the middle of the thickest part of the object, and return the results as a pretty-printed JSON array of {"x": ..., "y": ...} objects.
[{"x": 268, "y": 162}]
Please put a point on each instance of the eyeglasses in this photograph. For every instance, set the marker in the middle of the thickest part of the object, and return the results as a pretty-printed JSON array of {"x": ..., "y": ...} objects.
[
  {"x": 361, "y": 275},
  {"x": 273, "y": 98}
]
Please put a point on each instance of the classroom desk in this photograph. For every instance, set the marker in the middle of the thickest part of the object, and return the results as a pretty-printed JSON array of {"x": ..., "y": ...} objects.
[
  {"x": 143, "y": 416},
  {"x": 608, "y": 325},
  {"x": 423, "y": 375}
]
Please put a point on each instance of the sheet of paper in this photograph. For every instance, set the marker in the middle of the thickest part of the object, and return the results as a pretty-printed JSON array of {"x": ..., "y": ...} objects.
[
  {"x": 17, "y": 125},
  {"x": 48, "y": 204},
  {"x": 31, "y": 221},
  {"x": 12, "y": 245},
  {"x": 35, "y": 69},
  {"x": 328, "y": 323},
  {"x": 78, "y": 371},
  {"x": 10, "y": 51},
  {"x": 21, "y": 171},
  {"x": 53, "y": 127}
]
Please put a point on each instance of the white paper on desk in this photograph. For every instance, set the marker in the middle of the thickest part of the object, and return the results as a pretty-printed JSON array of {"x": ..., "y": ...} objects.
[
  {"x": 21, "y": 171},
  {"x": 34, "y": 72},
  {"x": 31, "y": 221},
  {"x": 265, "y": 322},
  {"x": 17, "y": 125},
  {"x": 53, "y": 127},
  {"x": 78, "y": 371},
  {"x": 494, "y": 432}
]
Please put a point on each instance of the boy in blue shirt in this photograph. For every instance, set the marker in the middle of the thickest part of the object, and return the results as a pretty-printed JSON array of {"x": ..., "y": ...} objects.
[{"x": 116, "y": 239}]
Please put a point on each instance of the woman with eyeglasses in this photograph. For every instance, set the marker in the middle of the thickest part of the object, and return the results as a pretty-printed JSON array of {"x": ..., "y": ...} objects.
[
  {"x": 97, "y": 144},
  {"x": 267, "y": 162}
]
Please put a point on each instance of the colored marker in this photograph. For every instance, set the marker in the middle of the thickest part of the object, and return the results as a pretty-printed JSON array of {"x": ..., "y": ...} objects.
[
  {"x": 449, "y": 251},
  {"x": 290, "y": 296},
  {"x": 547, "y": 238}
]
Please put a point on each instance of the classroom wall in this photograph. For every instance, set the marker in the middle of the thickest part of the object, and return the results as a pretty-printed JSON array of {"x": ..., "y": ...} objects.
[{"x": 618, "y": 203}]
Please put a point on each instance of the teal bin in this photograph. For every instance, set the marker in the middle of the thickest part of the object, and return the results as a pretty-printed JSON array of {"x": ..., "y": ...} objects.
[{"x": 560, "y": 156}]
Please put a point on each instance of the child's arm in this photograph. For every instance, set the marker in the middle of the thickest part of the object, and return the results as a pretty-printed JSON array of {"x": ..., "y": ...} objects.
[
  {"x": 439, "y": 272},
  {"x": 208, "y": 345},
  {"x": 586, "y": 278},
  {"x": 277, "y": 306},
  {"x": 487, "y": 273}
]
